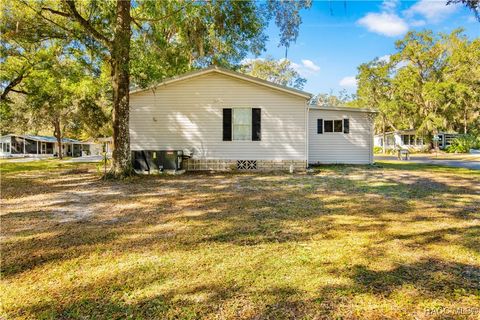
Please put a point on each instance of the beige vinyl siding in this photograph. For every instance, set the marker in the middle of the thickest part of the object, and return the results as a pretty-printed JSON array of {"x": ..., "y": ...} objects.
[
  {"x": 188, "y": 115},
  {"x": 355, "y": 147}
]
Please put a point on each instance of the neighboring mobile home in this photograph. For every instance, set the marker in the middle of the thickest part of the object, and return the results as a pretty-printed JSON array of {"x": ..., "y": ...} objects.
[
  {"x": 219, "y": 119},
  {"x": 409, "y": 139},
  {"x": 14, "y": 145},
  {"x": 401, "y": 139}
]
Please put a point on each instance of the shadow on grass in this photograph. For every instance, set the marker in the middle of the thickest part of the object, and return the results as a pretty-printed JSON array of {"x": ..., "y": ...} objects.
[
  {"x": 122, "y": 297},
  {"x": 241, "y": 210},
  {"x": 213, "y": 300},
  {"x": 249, "y": 210},
  {"x": 436, "y": 277}
]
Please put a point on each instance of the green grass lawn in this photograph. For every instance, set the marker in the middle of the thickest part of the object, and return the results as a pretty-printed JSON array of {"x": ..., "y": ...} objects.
[
  {"x": 391, "y": 241},
  {"x": 10, "y": 166}
]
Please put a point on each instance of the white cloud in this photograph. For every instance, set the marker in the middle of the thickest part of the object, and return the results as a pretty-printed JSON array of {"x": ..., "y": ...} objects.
[
  {"x": 388, "y": 24},
  {"x": 348, "y": 82},
  {"x": 250, "y": 60},
  {"x": 385, "y": 58},
  {"x": 295, "y": 66},
  {"x": 402, "y": 64},
  {"x": 306, "y": 68},
  {"x": 310, "y": 65},
  {"x": 433, "y": 11},
  {"x": 471, "y": 19},
  {"x": 417, "y": 23},
  {"x": 389, "y": 5}
]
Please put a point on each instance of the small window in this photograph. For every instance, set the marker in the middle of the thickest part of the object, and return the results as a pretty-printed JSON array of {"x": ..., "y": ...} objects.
[
  {"x": 333, "y": 126},
  {"x": 338, "y": 126},
  {"x": 412, "y": 140},
  {"x": 328, "y": 125}
]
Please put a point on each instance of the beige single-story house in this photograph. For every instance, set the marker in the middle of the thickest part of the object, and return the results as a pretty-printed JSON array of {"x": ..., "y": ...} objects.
[{"x": 217, "y": 119}]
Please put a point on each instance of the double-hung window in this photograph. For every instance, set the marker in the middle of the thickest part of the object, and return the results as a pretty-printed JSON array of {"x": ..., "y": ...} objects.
[{"x": 242, "y": 124}]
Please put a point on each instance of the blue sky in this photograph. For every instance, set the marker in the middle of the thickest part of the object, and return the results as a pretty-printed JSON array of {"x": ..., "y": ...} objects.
[{"x": 336, "y": 37}]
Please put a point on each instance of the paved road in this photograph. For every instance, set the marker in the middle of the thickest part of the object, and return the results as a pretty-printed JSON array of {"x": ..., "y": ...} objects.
[{"x": 472, "y": 162}]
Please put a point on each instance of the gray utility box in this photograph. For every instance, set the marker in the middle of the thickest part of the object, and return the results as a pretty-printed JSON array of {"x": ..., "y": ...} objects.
[{"x": 157, "y": 160}]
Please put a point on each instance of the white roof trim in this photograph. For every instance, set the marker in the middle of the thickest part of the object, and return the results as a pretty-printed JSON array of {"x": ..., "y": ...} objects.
[
  {"x": 230, "y": 73},
  {"x": 342, "y": 109}
]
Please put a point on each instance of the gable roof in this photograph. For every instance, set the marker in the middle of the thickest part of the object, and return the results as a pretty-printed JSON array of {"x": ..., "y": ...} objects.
[
  {"x": 43, "y": 138},
  {"x": 233, "y": 74}
]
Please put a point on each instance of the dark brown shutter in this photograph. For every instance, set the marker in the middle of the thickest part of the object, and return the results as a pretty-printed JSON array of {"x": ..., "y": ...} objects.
[
  {"x": 319, "y": 126},
  {"x": 227, "y": 124},
  {"x": 256, "y": 124},
  {"x": 346, "y": 126}
]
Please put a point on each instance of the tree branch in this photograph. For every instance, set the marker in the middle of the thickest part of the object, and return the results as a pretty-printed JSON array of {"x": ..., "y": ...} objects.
[
  {"x": 19, "y": 91},
  {"x": 10, "y": 87},
  {"x": 86, "y": 25},
  {"x": 60, "y": 13},
  {"x": 137, "y": 24},
  {"x": 164, "y": 17},
  {"x": 43, "y": 17}
]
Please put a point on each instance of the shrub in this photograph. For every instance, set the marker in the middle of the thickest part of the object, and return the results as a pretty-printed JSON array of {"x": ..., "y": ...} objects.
[
  {"x": 377, "y": 149},
  {"x": 463, "y": 144}
]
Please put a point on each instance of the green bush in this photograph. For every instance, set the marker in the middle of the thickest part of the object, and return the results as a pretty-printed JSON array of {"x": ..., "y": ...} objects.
[
  {"x": 463, "y": 144},
  {"x": 377, "y": 149}
]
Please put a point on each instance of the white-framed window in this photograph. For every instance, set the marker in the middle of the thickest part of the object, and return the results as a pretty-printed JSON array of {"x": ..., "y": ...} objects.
[
  {"x": 242, "y": 124},
  {"x": 333, "y": 126}
]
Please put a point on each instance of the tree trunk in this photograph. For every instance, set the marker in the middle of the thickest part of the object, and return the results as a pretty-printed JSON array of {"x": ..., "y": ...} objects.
[
  {"x": 120, "y": 57},
  {"x": 465, "y": 117},
  {"x": 384, "y": 136},
  {"x": 58, "y": 134}
]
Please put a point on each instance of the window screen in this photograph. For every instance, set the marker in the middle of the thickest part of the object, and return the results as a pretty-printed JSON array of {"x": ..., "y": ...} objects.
[
  {"x": 338, "y": 125},
  {"x": 242, "y": 124},
  {"x": 328, "y": 125}
]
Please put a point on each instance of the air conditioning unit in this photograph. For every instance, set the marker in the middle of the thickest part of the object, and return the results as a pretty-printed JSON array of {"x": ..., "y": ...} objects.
[{"x": 151, "y": 161}]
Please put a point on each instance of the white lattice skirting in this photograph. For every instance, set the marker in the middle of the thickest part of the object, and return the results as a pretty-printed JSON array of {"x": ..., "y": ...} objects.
[{"x": 243, "y": 165}]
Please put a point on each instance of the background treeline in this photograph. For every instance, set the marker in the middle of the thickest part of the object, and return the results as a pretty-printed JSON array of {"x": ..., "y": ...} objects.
[{"x": 431, "y": 83}]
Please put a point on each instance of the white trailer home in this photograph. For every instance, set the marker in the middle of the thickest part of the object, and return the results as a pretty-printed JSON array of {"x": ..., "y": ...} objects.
[
  {"x": 410, "y": 139},
  {"x": 401, "y": 139},
  {"x": 217, "y": 119},
  {"x": 340, "y": 135},
  {"x": 15, "y": 145}
]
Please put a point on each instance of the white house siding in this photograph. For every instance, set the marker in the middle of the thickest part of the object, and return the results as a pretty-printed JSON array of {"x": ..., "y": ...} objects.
[
  {"x": 188, "y": 115},
  {"x": 355, "y": 147}
]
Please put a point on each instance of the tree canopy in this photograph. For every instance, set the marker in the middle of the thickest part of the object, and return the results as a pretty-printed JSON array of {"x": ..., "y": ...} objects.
[
  {"x": 277, "y": 71},
  {"x": 430, "y": 84},
  {"x": 144, "y": 41}
]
